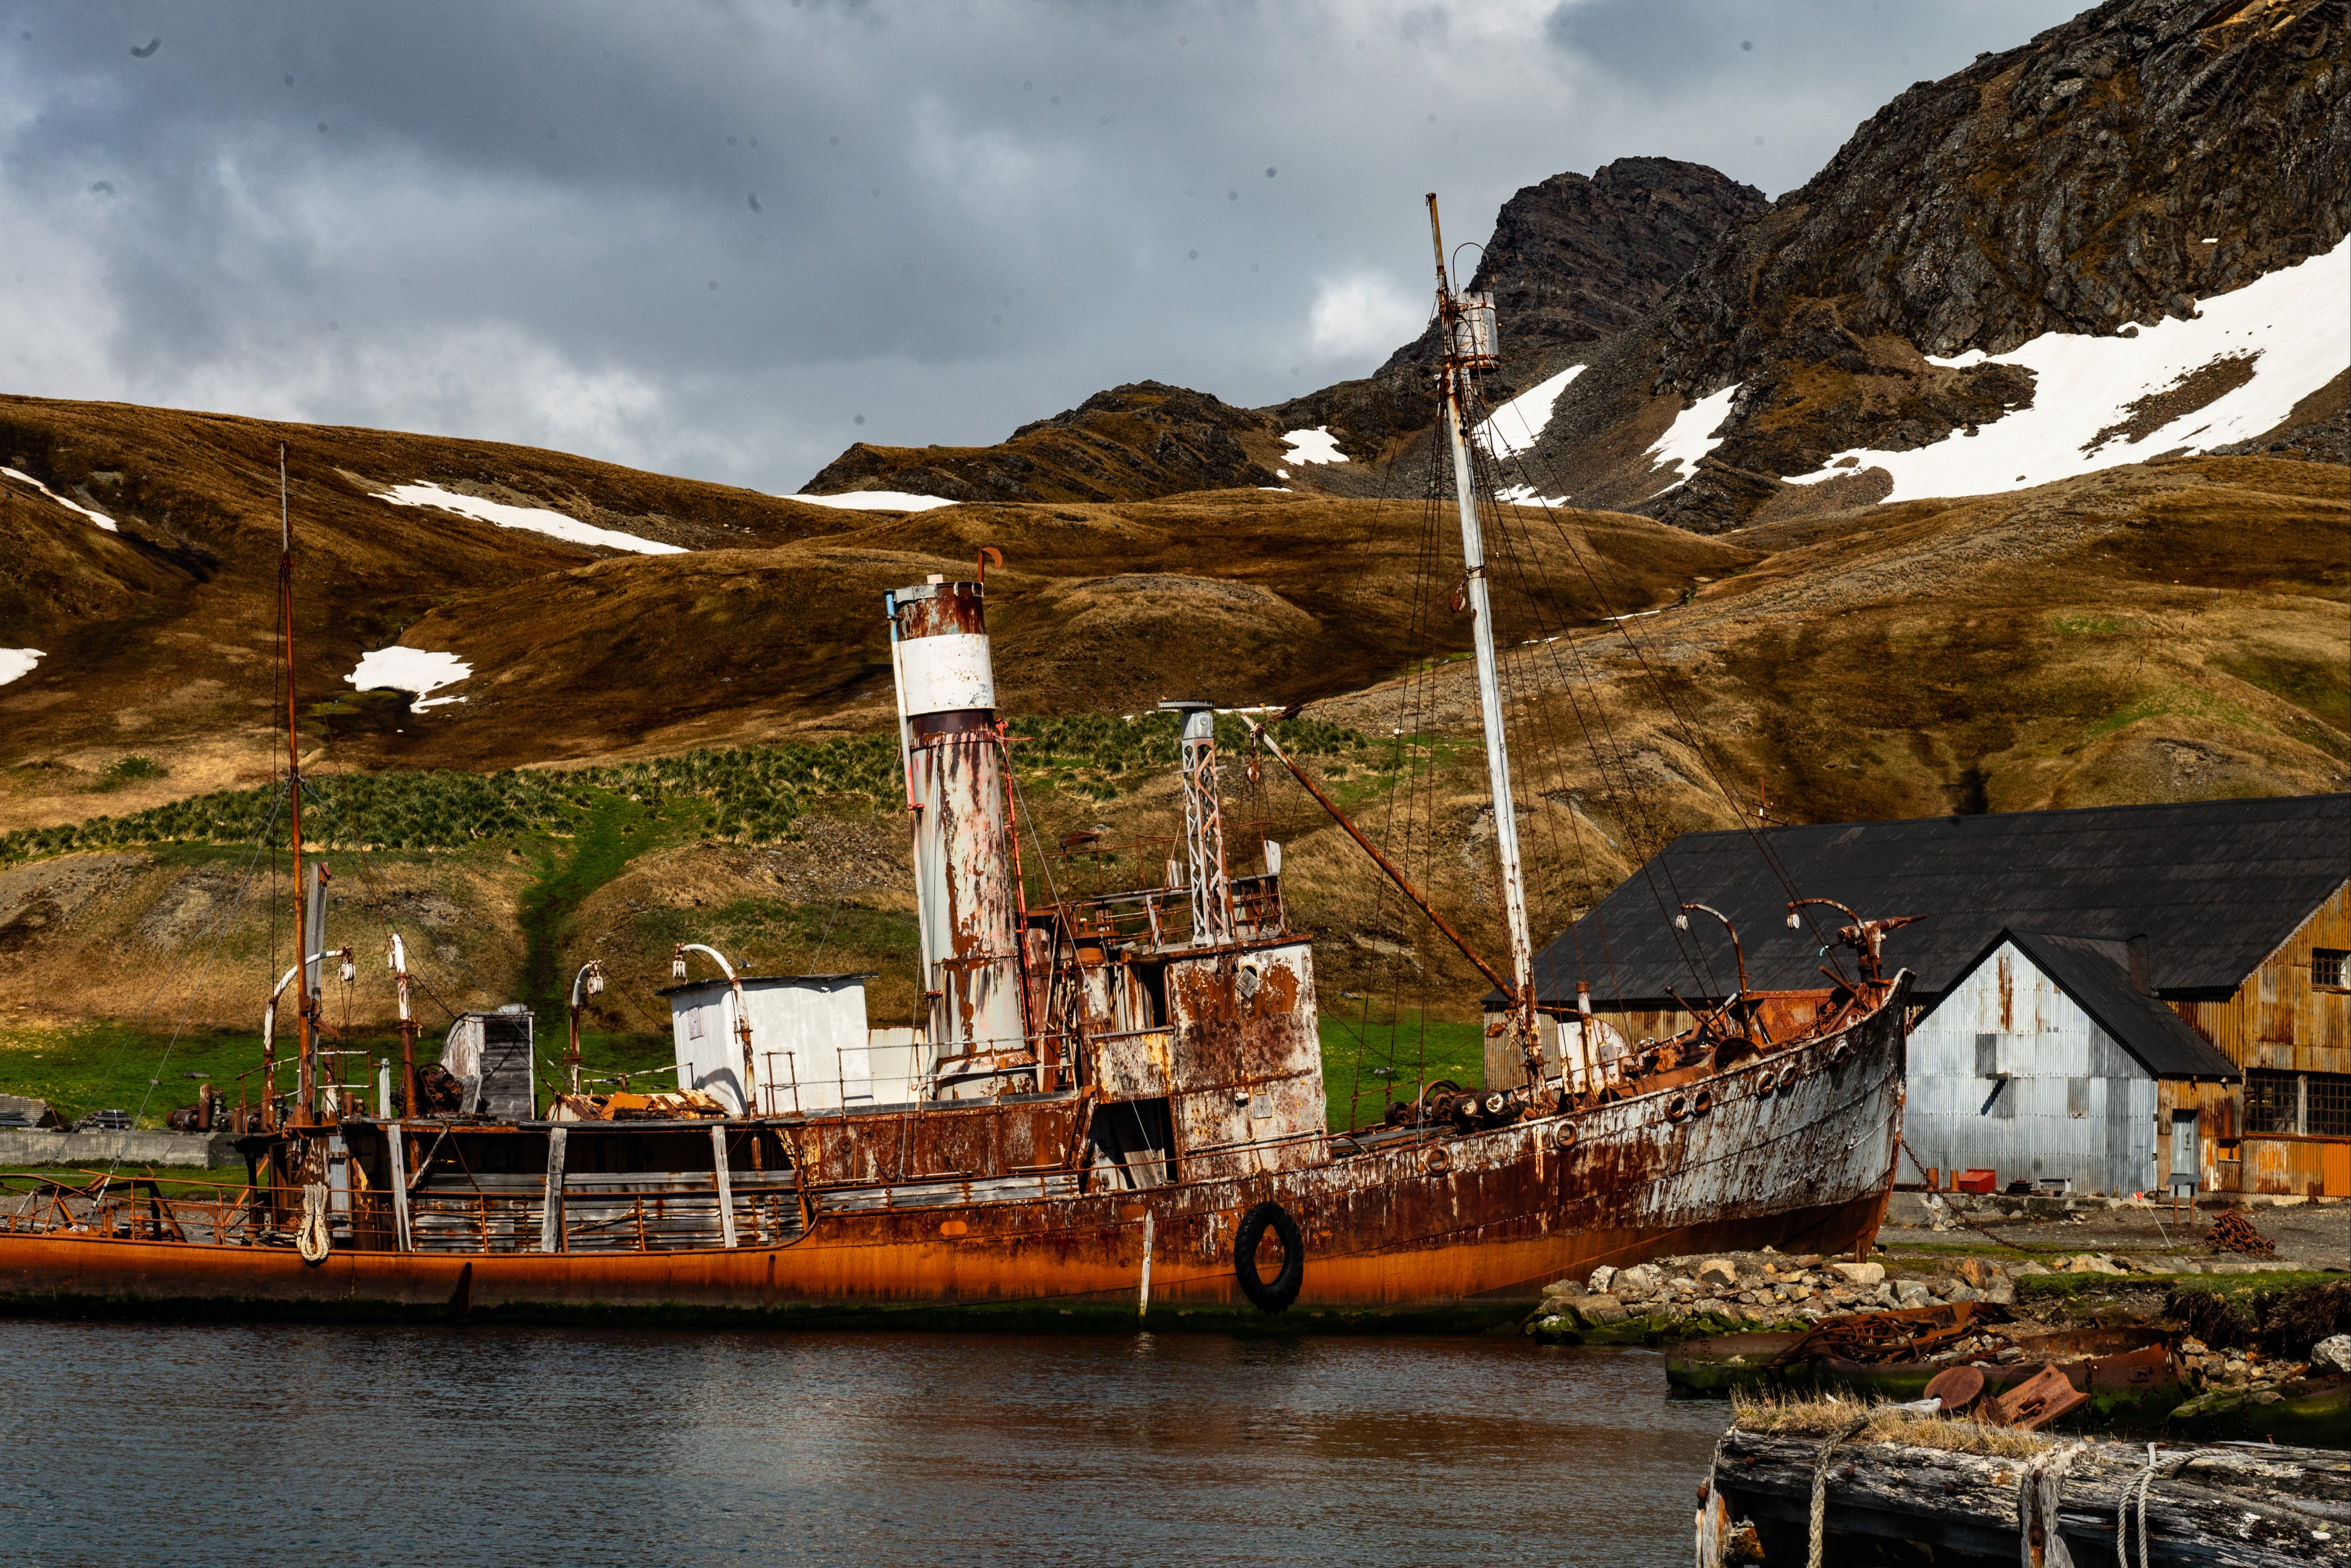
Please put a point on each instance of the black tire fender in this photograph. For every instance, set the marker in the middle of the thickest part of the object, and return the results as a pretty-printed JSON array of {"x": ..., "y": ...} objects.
[{"x": 1276, "y": 1294}]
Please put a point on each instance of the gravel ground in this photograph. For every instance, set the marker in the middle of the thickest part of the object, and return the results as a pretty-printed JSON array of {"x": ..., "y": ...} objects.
[{"x": 2315, "y": 1236}]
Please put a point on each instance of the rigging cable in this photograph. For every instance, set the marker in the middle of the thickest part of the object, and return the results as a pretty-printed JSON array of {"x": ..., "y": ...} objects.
[
  {"x": 1693, "y": 957},
  {"x": 220, "y": 932},
  {"x": 1680, "y": 721}
]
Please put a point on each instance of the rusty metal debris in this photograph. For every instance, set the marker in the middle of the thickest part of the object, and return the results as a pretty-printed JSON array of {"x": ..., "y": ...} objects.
[
  {"x": 2232, "y": 1232},
  {"x": 1955, "y": 1388},
  {"x": 2041, "y": 1398},
  {"x": 1909, "y": 1333}
]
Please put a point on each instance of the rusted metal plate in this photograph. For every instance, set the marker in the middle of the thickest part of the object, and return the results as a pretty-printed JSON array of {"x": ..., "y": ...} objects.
[
  {"x": 1248, "y": 1059},
  {"x": 1134, "y": 1066}
]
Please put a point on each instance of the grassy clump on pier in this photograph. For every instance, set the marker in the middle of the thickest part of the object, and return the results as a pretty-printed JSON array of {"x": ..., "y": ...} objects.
[{"x": 1768, "y": 1415}]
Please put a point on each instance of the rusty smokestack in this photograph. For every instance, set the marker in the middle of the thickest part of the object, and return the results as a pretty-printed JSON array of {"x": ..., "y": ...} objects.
[{"x": 956, "y": 792}]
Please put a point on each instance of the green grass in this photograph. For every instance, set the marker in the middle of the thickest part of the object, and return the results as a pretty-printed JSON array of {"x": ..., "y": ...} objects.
[
  {"x": 127, "y": 770},
  {"x": 2087, "y": 625},
  {"x": 2316, "y": 688},
  {"x": 1388, "y": 1055},
  {"x": 616, "y": 828},
  {"x": 107, "y": 1065},
  {"x": 177, "y": 1181},
  {"x": 2187, "y": 702}
]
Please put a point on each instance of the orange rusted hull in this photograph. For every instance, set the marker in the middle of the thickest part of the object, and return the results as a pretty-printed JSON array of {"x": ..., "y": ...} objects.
[{"x": 1795, "y": 1151}]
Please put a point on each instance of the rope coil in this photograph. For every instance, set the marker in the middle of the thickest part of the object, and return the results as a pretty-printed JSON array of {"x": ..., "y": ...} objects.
[
  {"x": 2122, "y": 1529},
  {"x": 310, "y": 1237}
]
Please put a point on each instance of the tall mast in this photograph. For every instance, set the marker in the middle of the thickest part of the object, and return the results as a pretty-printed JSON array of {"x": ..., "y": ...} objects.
[
  {"x": 1467, "y": 328},
  {"x": 306, "y": 1007}
]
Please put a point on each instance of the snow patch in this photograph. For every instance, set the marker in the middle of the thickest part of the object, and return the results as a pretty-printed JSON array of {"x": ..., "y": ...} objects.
[
  {"x": 1691, "y": 435},
  {"x": 534, "y": 519},
  {"x": 1513, "y": 427},
  {"x": 17, "y": 662},
  {"x": 1524, "y": 496},
  {"x": 2292, "y": 323},
  {"x": 875, "y": 501},
  {"x": 416, "y": 671},
  {"x": 100, "y": 518},
  {"x": 1315, "y": 445}
]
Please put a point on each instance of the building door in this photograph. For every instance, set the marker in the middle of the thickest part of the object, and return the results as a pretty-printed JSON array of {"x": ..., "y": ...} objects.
[{"x": 2187, "y": 1165}]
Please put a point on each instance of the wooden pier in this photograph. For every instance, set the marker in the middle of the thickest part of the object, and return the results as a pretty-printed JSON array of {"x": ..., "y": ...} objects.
[{"x": 1891, "y": 1489}]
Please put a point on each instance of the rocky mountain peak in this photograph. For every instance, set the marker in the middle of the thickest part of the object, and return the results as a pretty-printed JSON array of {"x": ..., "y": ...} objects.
[
  {"x": 1573, "y": 259},
  {"x": 1131, "y": 442},
  {"x": 2116, "y": 169}
]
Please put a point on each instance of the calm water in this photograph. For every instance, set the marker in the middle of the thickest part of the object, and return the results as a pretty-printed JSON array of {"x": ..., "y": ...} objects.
[{"x": 128, "y": 1444}]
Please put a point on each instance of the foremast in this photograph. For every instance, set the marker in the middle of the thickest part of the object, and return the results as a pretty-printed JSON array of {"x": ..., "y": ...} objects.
[
  {"x": 1466, "y": 331},
  {"x": 309, "y": 907}
]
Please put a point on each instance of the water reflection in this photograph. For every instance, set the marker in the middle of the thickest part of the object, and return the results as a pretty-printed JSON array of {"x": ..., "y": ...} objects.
[{"x": 291, "y": 1445}]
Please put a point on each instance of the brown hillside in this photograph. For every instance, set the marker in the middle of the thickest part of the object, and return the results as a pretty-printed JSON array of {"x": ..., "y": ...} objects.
[
  {"x": 2172, "y": 631},
  {"x": 161, "y": 639}
]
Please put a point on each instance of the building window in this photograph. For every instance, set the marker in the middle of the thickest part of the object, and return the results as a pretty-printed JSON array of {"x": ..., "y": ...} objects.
[
  {"x": 2326, "y": 967},
  {"x": 2272, "y": 1102},
  {"x": 2313, "y": 1104},
  {"x": 2329, "y": 1107},
  {"x": 1988, "y": 1057}
]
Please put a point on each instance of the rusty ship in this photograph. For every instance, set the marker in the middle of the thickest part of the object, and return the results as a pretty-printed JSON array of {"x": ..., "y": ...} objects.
[{"x": 1113, "y": 1104}]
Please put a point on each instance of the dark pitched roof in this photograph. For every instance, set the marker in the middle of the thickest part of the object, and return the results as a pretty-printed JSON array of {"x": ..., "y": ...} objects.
[
  {"x": 2213, "y": 885},
  {"x": 2097, "y": 975}
]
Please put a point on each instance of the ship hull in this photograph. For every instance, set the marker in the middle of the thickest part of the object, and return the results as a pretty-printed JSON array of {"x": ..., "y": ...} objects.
[{"x": 1795, "y": 1150}]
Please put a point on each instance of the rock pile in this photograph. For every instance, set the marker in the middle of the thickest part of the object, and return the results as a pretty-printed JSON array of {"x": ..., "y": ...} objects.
[{"x": 1766, "y": 1288}]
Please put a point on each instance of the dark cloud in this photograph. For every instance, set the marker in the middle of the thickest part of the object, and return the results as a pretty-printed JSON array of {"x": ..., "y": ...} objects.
[{"x": 692, "y": 236}]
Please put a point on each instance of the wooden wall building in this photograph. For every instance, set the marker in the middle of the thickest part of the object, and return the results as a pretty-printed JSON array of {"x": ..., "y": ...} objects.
[{"x": 2234, "y": 915}]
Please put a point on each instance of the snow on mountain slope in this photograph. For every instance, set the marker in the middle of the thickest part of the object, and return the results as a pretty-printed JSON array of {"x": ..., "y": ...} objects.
[
  {"x": 2098, "y": 401},
  {"x": 875, "y": 501},
  {"x": 1514, "y": 427},
  {"x": 18, "y": 662},
  {"x": 536, "y": 519},
  {"x": 100, "y": 518},
  {"x": 416, "y": 671},
  {"x": 1316, "y": 446},
  {"x": 1693, "y": 434}
]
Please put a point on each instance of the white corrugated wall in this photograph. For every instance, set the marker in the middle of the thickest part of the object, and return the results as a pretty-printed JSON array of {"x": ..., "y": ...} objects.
[{"x": 2075, "y": 1104}]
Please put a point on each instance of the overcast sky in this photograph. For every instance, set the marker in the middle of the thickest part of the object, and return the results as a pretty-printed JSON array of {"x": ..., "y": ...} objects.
[{"x": 726, "y": 240}]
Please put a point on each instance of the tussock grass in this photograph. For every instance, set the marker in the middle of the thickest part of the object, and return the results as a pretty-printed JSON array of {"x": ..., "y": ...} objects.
[
  {"x": 744, "y": 794},
  {"x": 1823, "y": 1417}
]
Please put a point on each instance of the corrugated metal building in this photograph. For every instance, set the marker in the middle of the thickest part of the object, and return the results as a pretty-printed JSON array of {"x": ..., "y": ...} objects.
[
  {"x": 2046, "y": 1061},
  {"x": 2239, "y": 912}
]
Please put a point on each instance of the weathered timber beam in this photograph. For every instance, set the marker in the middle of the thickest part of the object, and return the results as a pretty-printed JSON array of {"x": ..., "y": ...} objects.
[{"x": 2213, "y": 1509}]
